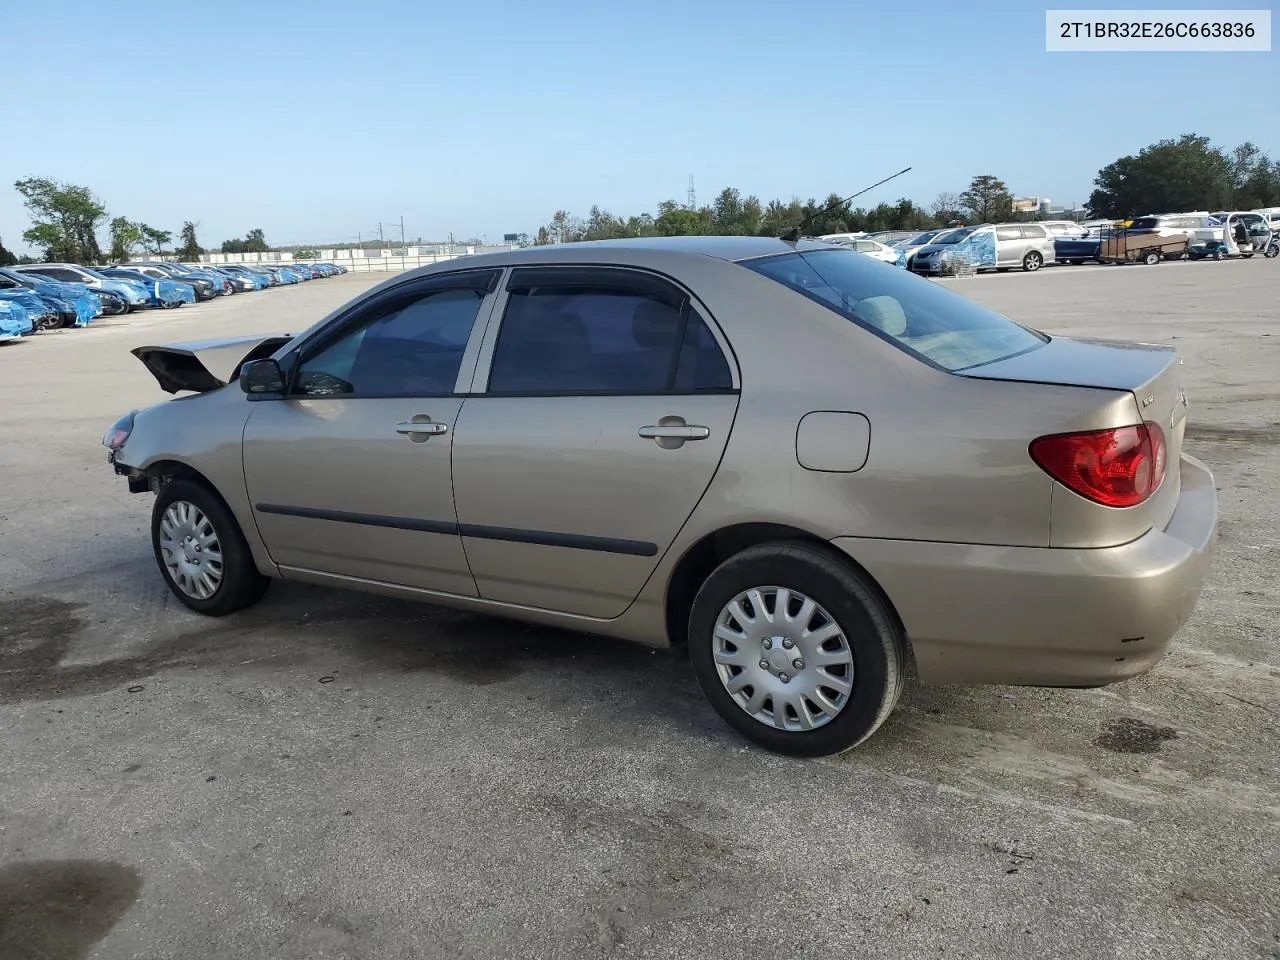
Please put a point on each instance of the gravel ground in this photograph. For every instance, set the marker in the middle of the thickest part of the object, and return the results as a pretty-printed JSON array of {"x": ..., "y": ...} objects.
[{"x": 338, "y": 776}]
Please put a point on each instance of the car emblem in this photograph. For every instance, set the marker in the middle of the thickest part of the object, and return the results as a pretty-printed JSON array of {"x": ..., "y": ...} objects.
[{"x": 1148, "y": 400}]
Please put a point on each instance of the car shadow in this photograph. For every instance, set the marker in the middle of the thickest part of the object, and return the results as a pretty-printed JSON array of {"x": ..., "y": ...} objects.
[{"x": 60, "y": 908}]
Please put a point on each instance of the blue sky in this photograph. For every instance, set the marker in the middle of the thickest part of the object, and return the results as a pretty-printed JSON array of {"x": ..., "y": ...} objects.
[{"x": 316, "y": 121}]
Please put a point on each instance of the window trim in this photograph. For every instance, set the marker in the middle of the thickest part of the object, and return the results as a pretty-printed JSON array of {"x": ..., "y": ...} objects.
[
  {"x": 357, "y": 313},
  {"x": 594, "y": 275}
]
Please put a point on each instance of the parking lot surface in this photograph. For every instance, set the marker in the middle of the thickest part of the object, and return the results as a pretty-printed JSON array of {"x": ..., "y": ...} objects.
[{"x": 332, "y": 775}]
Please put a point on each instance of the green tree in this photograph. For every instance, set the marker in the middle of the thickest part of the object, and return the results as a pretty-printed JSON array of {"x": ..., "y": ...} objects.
[
  {"x": 154, "y": 237},
  {"x": 987, "y": 200},
  {"x": 125, "y": 236},
  {"x": 1255, "y": 179},
  {"x": 255, "y": 242},
  {"x": 65, "y": 219},
  {"x": 190, "y": 249},
  {"x": 1188, "y": 173},
  {"x": 306, "y": 253},
  {"x": 7, "y": 257},
  {"x": 602, "y": 225}
]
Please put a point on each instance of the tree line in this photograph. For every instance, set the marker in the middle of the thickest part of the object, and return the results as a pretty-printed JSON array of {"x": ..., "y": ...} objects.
[
  {"x": 66, "y": 220},
  {"x": 1186, "y": 173}
]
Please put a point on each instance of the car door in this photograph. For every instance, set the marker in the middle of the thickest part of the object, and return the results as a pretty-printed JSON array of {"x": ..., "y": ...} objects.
[
  {"x": 349, "y": 473},
  {"x": 603, "y": 402},
  {"x": 1009, "y": 245}
]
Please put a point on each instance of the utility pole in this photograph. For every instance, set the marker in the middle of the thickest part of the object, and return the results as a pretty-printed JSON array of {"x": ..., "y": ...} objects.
[
  {"x": 402, "y": 229},
  {"x": 381, "y": 239},
  {"x": 692, "y": 197}
]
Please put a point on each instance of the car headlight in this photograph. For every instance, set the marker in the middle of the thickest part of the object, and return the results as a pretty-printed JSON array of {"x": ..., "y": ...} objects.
[{"x": 119, "y": 432}]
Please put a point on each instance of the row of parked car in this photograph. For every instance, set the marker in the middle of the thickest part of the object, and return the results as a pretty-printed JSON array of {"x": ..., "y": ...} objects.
[
  {"x": 44, "y": 296},
  {"x": 1030, "y": 246}
]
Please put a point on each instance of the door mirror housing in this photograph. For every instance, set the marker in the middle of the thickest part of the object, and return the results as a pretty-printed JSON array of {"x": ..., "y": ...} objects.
[{"x": 262, "y": 377}]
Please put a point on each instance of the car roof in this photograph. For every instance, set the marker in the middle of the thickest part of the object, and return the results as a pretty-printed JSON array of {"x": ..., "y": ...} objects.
[{"x": 730, "y": 248}]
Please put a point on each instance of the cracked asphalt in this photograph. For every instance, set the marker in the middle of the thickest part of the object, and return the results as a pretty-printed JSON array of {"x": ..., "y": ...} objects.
[{"x": 339, "y": 776}]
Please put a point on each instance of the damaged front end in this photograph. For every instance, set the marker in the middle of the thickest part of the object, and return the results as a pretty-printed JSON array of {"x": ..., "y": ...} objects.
[
  {"x": 195, "y": 368},
  {"x": 205, "y": 365}
]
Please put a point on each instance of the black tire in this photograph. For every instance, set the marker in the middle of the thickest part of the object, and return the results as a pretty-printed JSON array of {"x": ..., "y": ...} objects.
[
  {"x": 241, "y": 585},
  {"x": 1152, "y": 257},
  {"x": 1272, "y": 252},
  {"x": 1032, "y": 262},
  {"x": 874, "y": 637}
]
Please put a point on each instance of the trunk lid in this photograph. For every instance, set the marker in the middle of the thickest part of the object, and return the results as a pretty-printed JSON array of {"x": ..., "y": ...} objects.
[
  {"x": 204, "y": 365},
  {"x": 1152, "y": 373}
]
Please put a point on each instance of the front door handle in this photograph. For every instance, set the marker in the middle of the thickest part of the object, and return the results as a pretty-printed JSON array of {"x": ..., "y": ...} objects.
[
  {"x": 671, "y": 433},
  {"x": 420, "y": 428}
]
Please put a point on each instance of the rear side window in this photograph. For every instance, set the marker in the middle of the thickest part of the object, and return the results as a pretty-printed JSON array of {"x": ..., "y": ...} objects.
[
  {"x": 1008, "y": 233},
  {"x": 941, "y": 328},
  {"x": 585, "y": 339},
  {"x": 1034, "y": 231}
]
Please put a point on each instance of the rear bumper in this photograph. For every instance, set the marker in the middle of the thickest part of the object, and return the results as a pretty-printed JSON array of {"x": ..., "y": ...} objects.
[{"x": 1046, "y": 616}]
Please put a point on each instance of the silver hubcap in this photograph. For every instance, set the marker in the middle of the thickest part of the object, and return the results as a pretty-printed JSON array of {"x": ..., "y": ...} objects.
[
  {"x": 783, "y": 658},
  {"x": 190, "y": 549}
]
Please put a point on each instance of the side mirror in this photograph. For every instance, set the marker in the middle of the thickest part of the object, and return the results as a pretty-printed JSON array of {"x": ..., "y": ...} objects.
[{"x": 262, "y": 377}]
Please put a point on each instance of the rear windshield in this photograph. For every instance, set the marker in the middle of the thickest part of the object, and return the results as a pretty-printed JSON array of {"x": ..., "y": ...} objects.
[
  {"x": 929, "y": 322},
  {"x": 1146, "y": 223}
]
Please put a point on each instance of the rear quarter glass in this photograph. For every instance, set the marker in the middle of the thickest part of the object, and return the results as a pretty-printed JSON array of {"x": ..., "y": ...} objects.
[{"x": 938, "y": 327}]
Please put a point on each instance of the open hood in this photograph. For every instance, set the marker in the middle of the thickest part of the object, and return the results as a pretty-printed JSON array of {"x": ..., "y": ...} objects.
[{"x": 204, "y": 365}]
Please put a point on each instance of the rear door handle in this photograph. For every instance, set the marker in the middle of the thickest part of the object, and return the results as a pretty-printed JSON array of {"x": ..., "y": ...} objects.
[
  {"x": 420, "y": 428},
  {"x": 686, "y": 431},
  {"x": 672, "y": 433}
]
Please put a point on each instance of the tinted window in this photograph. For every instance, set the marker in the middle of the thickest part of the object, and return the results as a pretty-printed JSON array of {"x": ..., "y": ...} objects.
[
  {"x": 409, "y": 346},
  {"x": 932, "y": 323},
  {"x": 1008, "y": 233},
  {"x": 1145, "y": 223},
  {"x": 602, "y": 340},
  {"x": 955, "y": 236},
  {"x": 1034, "y": 231}
]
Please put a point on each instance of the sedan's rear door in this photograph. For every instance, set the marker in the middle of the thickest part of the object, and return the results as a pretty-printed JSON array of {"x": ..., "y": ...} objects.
[{"x": 602, "y": 406}]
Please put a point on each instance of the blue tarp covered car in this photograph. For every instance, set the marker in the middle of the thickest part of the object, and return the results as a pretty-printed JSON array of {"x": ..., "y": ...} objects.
[
  {"x": 14, "y": 320},
  {"x": 163, "y": 293},
  {"x": 77, "y": 305},
  {"x": 42, "y": 314}
]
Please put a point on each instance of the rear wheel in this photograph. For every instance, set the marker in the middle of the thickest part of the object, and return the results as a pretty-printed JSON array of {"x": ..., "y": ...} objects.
[
  {"x": 1032, "y": 261},
  {"x": 201, "y": 551},
  {"x": 795, "y": 650},
  {"x": 1151, "y": 258}
]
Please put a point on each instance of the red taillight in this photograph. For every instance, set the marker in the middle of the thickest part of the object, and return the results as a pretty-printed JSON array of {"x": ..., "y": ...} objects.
[{"x": 1120, "y": 467}]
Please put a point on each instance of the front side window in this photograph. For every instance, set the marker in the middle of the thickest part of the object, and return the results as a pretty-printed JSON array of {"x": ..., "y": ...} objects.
[
  {"x": 408, "y": 346},
  {"x": 937, "y": 326},
  {"x": 601, "y": 339}
]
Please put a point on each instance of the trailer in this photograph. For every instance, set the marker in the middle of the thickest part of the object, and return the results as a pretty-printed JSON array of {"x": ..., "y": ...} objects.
[{"x": 1122, "y": 246}]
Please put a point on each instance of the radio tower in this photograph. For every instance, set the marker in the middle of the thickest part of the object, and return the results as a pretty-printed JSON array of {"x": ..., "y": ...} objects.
[{"x": 693, "y": 197}]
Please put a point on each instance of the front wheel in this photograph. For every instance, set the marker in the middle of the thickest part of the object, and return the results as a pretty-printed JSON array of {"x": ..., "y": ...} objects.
[
  {"x": 201, "y": 552},
  {"x": 1273, "y": 251},
  {"x": 1032, "y": 261},
  {"x": 795, "y": 650},
  {"x": 1152, "y": 257}
]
